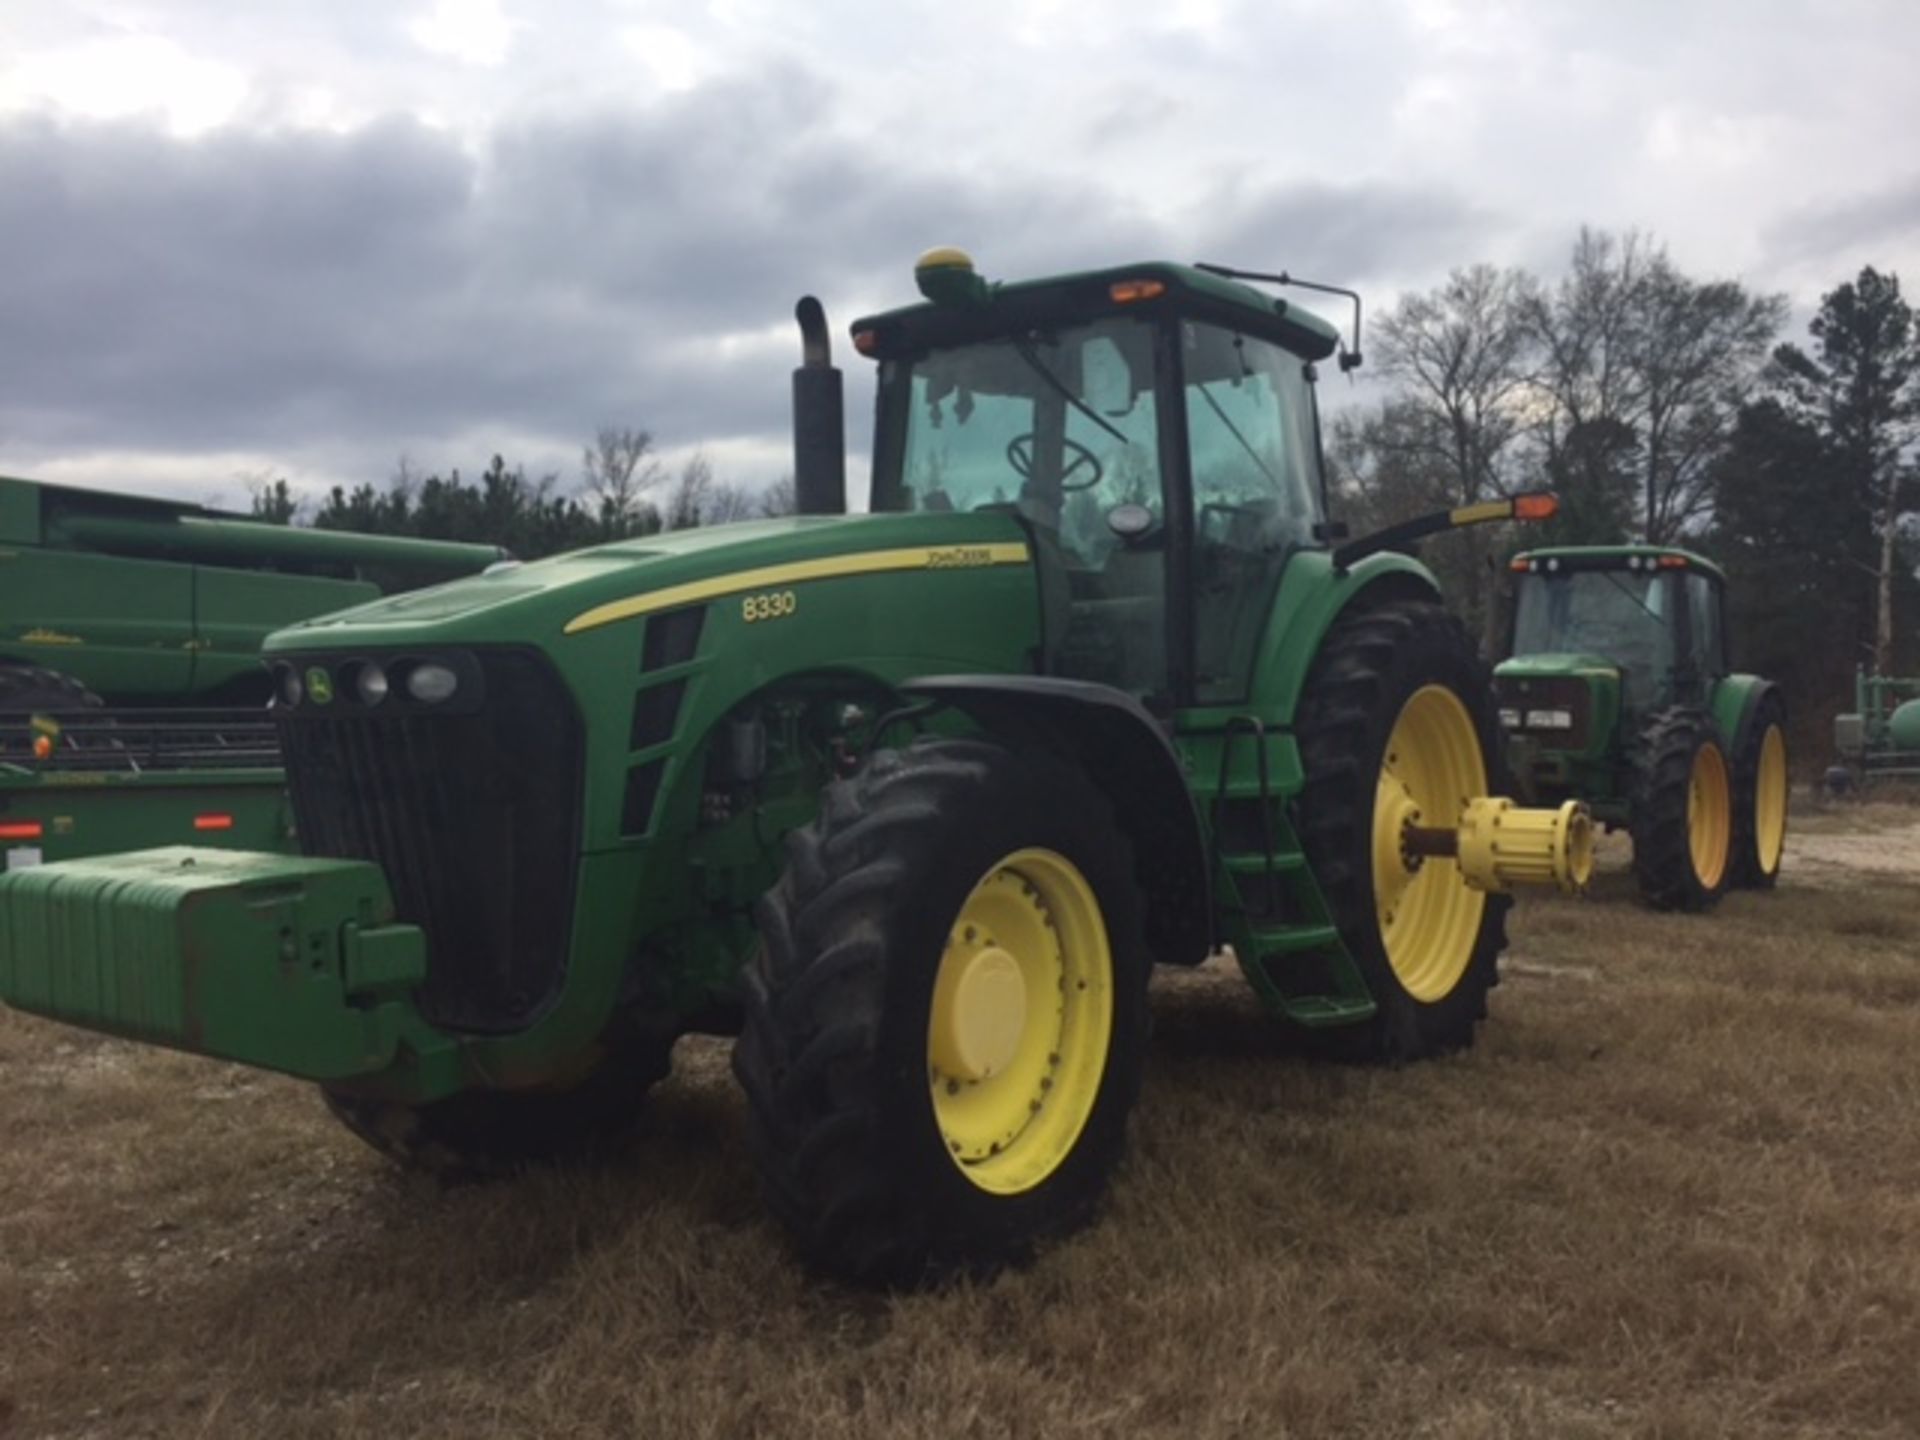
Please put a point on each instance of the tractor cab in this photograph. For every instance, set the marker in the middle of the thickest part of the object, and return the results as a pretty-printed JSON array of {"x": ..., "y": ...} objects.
[{"x": 1153, "y": 428}]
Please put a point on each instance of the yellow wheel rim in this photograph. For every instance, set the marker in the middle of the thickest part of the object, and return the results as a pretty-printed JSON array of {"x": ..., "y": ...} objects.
[
  {"x": 1429, "y": 919},
  {"x": 1021, "y": 1018},
  {"x": 1770, "y": 800},
  {"x": 1709, "y": 815}
]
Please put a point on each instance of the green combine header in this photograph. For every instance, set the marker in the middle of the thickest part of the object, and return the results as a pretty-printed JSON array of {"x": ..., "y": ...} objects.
[{"x": 132, "y": 698}]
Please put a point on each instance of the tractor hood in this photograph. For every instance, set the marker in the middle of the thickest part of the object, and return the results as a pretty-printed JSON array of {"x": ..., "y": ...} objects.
[
  {"x": 543, "y": 602},
  {"x": 1592, "y": 667}
]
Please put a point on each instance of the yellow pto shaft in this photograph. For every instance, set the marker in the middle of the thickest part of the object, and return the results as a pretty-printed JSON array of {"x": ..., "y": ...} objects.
[{"x": 1500, "y": 845}]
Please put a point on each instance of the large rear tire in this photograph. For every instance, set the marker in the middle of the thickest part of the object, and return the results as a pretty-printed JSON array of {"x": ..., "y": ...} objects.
[
  {"x": 1682, "y": 812},
  {"x": 1396, "y": 724},
  {"x": 1760, "y": 799},
  {"x": 946, "y": 1025},
  {"x": 482, "y": 1134}
]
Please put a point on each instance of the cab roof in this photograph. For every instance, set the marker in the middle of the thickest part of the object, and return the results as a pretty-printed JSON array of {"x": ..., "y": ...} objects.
[
  {"x": 1079, "y": 295},
  {"x": 1620, "y": 557}
]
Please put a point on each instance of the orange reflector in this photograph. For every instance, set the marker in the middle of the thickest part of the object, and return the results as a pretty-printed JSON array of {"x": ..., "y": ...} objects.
[
  {"x": 42, "y": 746},
  {"x": 213, "y": 822},
  {"x": 1125, "y": 292},
  {"x": 21, "y": 830},
  {"x": 864, "y": 341},
  {"x": 1673, "y": 562},
  {"x": 1540, "y": 505}
]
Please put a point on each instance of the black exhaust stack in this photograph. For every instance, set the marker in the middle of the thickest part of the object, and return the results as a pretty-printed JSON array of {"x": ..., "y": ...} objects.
[{"x": 819, "y": 419}]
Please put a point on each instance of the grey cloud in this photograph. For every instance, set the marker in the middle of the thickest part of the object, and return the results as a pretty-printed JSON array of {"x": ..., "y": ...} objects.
[
  {"x": 375, "y": 292},
  {"x": 1365, "y": 235},
  {"x": 1884, "y": 218}
]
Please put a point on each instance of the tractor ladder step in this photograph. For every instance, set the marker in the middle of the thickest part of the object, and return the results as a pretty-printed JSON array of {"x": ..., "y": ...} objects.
[
  {"x": 1292, "y": 939},
  {"x": 1283, "y": 862}
]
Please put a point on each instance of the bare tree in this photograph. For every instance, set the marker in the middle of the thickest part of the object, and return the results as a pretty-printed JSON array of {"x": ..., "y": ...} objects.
[
  {"x": 1700, "y": 347},
  {"x": 692, "y": 489},
  {"x": 779, "y": 498},
  {"x": 1452, "y": 434},
  {"x": 1462, "y": 356},
  {"x": 727, "y": 503},
  {"x": 1630, "y": 345},
  {"x": 617, "y": 470}
]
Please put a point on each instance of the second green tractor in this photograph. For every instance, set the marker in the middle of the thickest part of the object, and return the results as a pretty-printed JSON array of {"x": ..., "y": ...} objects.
[
  {"x": 1618, "y": 691},
  {"x": 909, "y": 802}
]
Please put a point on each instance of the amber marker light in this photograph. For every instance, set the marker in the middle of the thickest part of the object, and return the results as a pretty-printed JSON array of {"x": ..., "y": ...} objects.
[
  {"x": 213, "y": 822},
  {"x": 1126, "y": 292},
  {"x": 1541, "y": 505},
  {"x": 1519, "y": 567},
  {"x": 1673, "y": 562},
  {"x": 865, "y": 341},
  {"x": 42, "y": 747}
]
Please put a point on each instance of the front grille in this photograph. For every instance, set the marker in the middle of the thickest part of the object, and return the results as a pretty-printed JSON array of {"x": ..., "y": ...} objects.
[
  {"x": 474, "y": 815},
  {"x": 1522, "y": 695}
]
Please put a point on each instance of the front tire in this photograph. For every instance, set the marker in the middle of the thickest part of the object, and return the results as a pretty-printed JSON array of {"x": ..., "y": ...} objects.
[
  {"x": 947, "y": 1023},
  {"x": 1682, "y": 812},
  {"x": 1396, "y": 723}
]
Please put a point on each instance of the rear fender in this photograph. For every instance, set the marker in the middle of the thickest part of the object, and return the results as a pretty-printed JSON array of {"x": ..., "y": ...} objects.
[
  {"x": 1122, "y": 748},
  {"x": 1736, "y": 706}
]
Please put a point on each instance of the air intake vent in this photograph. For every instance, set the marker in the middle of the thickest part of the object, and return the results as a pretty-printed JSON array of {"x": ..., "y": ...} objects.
[
  {"x": 672, "y": 637},
  {"x": 655, "y": 710}
]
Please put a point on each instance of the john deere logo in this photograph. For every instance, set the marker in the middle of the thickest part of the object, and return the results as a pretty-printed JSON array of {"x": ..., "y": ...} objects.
[{"x": 319, "y": 684}]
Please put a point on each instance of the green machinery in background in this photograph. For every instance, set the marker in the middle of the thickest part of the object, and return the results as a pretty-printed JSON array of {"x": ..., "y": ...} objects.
[
  {"x": 132, "y": 698},
  {"x": 1880, "y": 737},
  {"x": 1618, "y": 692},
  {"x": 909, "y": 801}
]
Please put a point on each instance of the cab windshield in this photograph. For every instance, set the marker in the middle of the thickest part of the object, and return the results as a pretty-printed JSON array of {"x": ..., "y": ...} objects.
[
  {"x": 1062, "y": 428},
  {"x": 1621, "y": 615},
  {"x": 1057, "y": 425}
]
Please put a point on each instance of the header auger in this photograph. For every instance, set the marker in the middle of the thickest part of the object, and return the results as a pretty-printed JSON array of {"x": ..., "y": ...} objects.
[{"x": 910, "y": 801}]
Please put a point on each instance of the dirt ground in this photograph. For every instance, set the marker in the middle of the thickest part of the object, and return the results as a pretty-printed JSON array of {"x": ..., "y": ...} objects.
[{"x": 1674, "y": 1191}]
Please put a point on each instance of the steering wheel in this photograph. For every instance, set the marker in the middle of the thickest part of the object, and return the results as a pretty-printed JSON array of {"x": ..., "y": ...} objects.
[{"x": 1020, "y": 457}]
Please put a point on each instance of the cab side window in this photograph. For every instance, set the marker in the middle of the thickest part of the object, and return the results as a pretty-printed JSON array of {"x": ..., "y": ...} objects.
[{"x": 1703, "y": 607}]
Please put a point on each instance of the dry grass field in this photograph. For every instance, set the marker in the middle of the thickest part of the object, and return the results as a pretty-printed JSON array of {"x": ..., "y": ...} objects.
[{"x": 1675, "y": 1191}]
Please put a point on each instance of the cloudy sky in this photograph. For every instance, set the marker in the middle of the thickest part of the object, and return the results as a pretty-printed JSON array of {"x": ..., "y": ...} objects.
[{"x": 307, "y": 239}]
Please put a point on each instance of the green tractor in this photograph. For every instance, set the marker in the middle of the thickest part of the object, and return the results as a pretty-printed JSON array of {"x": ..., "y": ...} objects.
[
  {"x": 1618, "y": 692},
  {"x": 909, "y": 801}
]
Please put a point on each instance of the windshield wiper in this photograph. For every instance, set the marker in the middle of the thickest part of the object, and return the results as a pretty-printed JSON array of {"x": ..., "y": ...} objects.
[
  {"x": 1234, "y": 430},
  {"x": 1024, "y": 350}
]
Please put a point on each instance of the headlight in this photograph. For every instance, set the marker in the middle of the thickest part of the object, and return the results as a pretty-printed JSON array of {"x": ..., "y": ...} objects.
[
  {"x": 1549, "y": 719},
  {"x": 432, "y": 683},
  {"x": 370, "y": 683},
  {"x": 292, "y": 692}
]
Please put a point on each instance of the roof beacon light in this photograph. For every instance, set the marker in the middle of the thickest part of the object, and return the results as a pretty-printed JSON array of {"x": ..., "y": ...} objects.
[{"x": 946, "y": 276}]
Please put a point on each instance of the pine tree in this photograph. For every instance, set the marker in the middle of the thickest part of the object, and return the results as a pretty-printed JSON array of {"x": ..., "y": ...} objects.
[{"x": 1862, "y": 389}]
